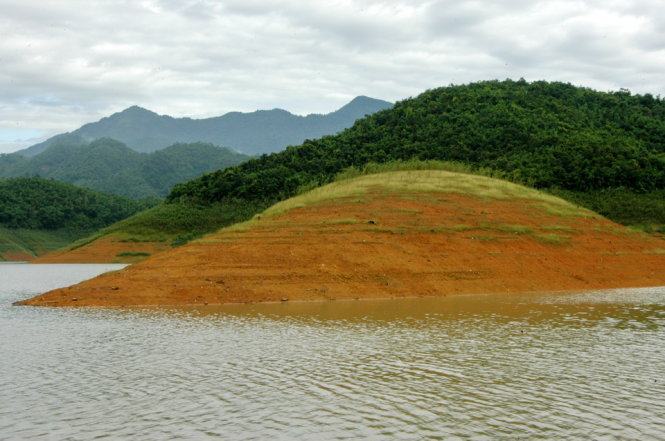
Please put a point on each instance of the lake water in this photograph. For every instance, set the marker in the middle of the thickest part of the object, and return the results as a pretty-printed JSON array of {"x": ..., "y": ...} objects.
[{"x": 586, "y": 366}]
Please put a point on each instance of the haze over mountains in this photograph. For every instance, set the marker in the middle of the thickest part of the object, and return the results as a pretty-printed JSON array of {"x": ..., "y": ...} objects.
[{"x": 262, "y": 131}]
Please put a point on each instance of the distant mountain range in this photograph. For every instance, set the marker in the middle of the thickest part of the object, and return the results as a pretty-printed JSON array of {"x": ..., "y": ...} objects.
[
  {"x": 110, "y": 166},
  {"x": 255, "y": 133}
]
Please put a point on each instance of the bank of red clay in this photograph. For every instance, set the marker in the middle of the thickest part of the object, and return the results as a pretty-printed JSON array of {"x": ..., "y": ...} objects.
[
  {"x": 385, "y": 245},
  {"x": 17, "y": 256},
  {"x": 107, "y": 249}
]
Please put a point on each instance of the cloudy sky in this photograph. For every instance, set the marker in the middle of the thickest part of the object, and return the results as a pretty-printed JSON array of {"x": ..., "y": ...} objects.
[{"x": 64, "y": 63}]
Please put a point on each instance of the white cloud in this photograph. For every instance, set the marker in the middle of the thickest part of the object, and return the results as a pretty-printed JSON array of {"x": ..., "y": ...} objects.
[{"x": 64, "y": 63}]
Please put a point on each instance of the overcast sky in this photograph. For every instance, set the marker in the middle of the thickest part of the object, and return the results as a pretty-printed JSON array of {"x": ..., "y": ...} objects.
[{"x": 64, "y": 63}]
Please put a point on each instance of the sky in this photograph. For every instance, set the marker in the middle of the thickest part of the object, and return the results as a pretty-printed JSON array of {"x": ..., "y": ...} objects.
[{"x": 65, "y": 63}]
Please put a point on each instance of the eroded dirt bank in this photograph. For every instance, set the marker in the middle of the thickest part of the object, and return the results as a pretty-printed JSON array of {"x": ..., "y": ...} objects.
[
  {"x": 385, "y": 246},
  {"x": 107, "y": 249}
]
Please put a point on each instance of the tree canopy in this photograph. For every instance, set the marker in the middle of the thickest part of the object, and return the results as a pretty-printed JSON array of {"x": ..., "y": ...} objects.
[
  {"x": 41, "y": 204},
  {"x": 110, "y": 166},
  {"x": 547, "y": 135}
]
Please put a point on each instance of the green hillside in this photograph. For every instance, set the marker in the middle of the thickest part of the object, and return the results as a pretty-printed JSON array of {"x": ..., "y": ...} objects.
[
  {"x": 39, "y": 215},
  {"x": 592, "y": 147},
  {"x": 109, "y": 166},
  {"x": 177, "y": 223},
  {"x": 24, "y": 244}
]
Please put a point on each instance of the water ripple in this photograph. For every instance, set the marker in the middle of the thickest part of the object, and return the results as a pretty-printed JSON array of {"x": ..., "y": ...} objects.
[{"x": 585, "y": 366}]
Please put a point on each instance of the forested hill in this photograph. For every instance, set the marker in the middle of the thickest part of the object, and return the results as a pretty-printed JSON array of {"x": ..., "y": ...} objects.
[
  {"x": 252, "y": 133},
  {"x": 110, "y": 166},
  {"x": 43, "y": 204},
  {"x": 39, "y": 215},
  {"x": 548, "y": 135}
]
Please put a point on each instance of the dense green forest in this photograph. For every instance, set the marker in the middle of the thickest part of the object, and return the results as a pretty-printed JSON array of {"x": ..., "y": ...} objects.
[
  {"x": 646, "y": 210},
  {"x": 109, "y": 166},
  {"x": 39, "y": 215},
  {"x": 555, "y": 136},
  {"x": 41, "y": 204}
]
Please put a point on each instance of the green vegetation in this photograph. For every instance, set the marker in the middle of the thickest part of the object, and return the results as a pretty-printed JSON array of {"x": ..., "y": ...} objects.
[
  {"x": 109, "y": 166},
  {"x": 434, "y": 181},
  {"x": 552, "y": 239},
  {"x": 372, "y": 168},
  {"x": 556, "y": 136},
  {"x": 176, "y": 223},
  {"x": 41, "y": 204},
  {"x": 404, "y": 183},
  {"x": 389, "y": 179},
  {"x": 133, "y": 254},
  {"x": 24, "y": 242},
  {"x": 602, "y": 151},
  {"x": 38, "y": 215},
  {"x": 643, "y": 210}
]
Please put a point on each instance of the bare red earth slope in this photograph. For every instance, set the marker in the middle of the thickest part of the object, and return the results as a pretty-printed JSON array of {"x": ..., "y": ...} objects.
[{"x": 408, "y": 233}]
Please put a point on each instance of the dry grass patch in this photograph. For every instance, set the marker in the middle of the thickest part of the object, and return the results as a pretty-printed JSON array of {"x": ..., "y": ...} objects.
[
  {"x": 559, "y": 228},
  {"x": 428, "y": 181},
  {"x": 418, "y": 185}
]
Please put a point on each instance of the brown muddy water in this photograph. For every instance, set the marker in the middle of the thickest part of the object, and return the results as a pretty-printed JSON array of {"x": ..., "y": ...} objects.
[{"x": 557, "y": 366}]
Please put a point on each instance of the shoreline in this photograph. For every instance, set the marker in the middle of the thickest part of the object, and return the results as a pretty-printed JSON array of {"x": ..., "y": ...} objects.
[{"x": 598, "y": 290}]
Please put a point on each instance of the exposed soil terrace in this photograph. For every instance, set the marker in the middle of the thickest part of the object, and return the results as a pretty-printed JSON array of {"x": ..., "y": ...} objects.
[
  {"x": 108, "y": 249},
  {"x": 382, "y": 245}
]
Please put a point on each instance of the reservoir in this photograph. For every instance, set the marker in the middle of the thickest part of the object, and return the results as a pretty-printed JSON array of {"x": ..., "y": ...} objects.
[{"x": 538, "y": 366}]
